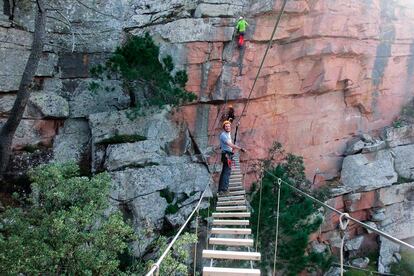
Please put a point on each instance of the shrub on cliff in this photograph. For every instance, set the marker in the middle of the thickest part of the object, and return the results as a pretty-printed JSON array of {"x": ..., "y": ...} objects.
[
  {"x": 61, "y": 229},
  {"x": 148, "y": 81},
  {"x": 298, "y": 217}
]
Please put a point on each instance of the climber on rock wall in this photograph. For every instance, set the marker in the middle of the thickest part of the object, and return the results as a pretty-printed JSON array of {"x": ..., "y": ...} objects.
[
  {"x": 229, "y": 115},
  {"x": 227, "y": 151},
  {"x": 241, "y": 30}
]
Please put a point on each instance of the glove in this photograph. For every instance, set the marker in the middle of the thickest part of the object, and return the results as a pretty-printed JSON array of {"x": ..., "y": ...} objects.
[{"x": 242, "y": 150}]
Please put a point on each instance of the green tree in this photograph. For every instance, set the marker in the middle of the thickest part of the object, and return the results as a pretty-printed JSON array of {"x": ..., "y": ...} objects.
[
  {"x": 298, "y": 217},
  {"x": 61, "y": 228},
  {"x": 148, "y": 81},
  {"x": 178, "y": 260}
]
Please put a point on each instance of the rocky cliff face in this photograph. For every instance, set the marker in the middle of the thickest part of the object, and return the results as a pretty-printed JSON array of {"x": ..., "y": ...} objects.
[
  {"x": 377, "y": 189},
  {"x": 336, "y": 69}
]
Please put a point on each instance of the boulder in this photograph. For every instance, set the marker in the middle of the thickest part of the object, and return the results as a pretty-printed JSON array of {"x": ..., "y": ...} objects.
[
  {"x": 364, "y": 172},
  {"x": 399, "y": 220},
  {"x": 354, "y": 244},
  {"x": 375, "y": 146},
  {"x": 398, "y": 136},
  {"x": 372, "y": 224},
  {"x": 354, "y": 146},
  {"x": 378, "y": 215},
  {"x": 217, "y": 9},
  {"x": 160, "y": 12},
  {"x": 14, "y": 52},
  {"x": 359, "y": 201},
  {"x": 150, "y": 207},
  {"x": 360, "y": 262},
  {"x": 119, "y": 156},
  {"x": 386, "y": 254},
  {"x": 404, "y": 161},
  {"x": 395, "y": 194},
  {"x": 179, "y": 218},
  {"x": 40, "y": 105},
  {"x": 175, "y": 176},
  {"x": 110, "y": 96},
  {"x": 72, "y": 141},
  {"x": 48, "y": 105},
  {"x": 47, "y": 65},
  {"x": 154, "y": 126},
  {"x": 6, "y": 103},
  {"x": 191, "y": 30},
  {"x": 367, "y": 138},
  {"x": 34, "y": 133}
]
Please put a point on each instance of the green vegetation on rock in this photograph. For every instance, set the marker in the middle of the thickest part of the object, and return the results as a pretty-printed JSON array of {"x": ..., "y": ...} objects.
[
  {"x": 406, "y": 266},
  {"x": 298, "y": 217},
  {"x": 61, "y": 228},
  {"x": 149, "y": 81}
]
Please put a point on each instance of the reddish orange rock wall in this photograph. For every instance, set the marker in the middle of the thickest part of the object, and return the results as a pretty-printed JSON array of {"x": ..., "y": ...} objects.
[{"x": 336, "y": 69}]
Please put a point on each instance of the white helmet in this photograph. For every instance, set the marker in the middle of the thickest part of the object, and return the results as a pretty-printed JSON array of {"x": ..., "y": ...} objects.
[{"x": 241, "y": 17}]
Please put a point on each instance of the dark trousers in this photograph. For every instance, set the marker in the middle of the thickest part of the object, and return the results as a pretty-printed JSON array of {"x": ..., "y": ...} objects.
[{"x": 225, "y": 173}]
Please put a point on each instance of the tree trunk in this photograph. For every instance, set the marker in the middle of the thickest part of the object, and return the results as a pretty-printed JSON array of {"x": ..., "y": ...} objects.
[{"x": 9, "y": 128}]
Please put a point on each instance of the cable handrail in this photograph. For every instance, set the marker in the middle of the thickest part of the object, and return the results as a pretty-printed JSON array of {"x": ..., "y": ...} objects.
[
  {"x": 373, "y": 229},
  {"x": 155, "y": 267}
]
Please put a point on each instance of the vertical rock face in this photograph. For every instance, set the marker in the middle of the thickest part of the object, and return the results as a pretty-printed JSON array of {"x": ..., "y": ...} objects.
[
  {"x": 335, "y": 68},
  {"x": 377, "y": 190}
]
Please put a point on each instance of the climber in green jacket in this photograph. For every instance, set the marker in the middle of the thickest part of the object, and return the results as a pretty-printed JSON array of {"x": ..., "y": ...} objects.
[{"x": 241, "y": 29}]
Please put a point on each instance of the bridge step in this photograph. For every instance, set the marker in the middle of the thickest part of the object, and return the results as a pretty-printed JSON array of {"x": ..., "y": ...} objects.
[
  {"x": 231, "y": 255},
  {"x": 231, "y": 208},
  {"x": 231, "y": 242},
  {"x": 232, "y": 184},
  {"x": 231, "y": 231},
  {"x": 232, "y": 193},
  {"x": 225, "y": 271},
  {"x": 227, "y": 198},
  {"x": 236, "y": 188},
  {"x": 231, "y": 202},
  {"x": 232, "y": 215},
  {"x": 230, "y": 222}
]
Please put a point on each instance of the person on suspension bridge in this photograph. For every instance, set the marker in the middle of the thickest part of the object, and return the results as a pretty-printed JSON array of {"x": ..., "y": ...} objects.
[
  {"x": 241, "y": 30},
  {"x": 227, "y": 150}
]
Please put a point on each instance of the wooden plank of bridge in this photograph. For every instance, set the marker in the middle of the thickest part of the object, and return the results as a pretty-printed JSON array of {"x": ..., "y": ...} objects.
[
  {"x": 232, "y": 215},
  {"x": 231, "y": 255},
  {"x": 225, "y": 271},
  {"x": 231, "y": 208},
  {"x": 231, "y": 231}
]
